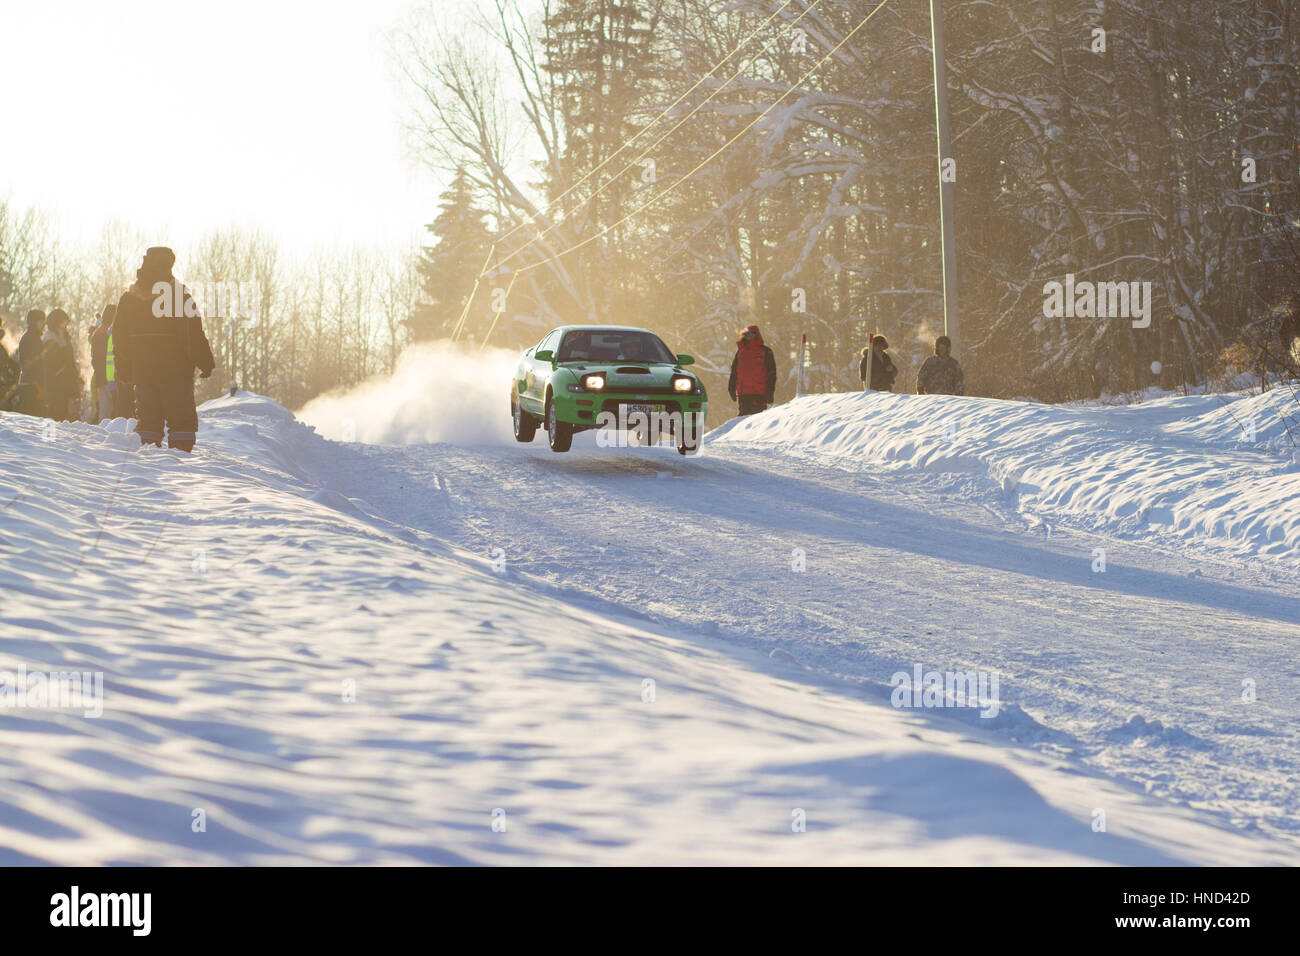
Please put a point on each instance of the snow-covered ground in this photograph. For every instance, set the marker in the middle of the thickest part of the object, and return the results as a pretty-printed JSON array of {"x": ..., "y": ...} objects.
[{"x": 344, "y": 652}]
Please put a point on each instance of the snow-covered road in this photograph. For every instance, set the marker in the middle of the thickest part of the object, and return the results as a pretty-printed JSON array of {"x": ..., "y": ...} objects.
[
  {"x": 363, "y": 653},
  {"x": 1137, "y": 670}
]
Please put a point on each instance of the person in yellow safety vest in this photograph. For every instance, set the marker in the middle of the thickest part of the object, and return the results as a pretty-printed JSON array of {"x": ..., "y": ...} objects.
[
  {"x": 121, "y": 395},
  {"x": 112, "y": 397}
]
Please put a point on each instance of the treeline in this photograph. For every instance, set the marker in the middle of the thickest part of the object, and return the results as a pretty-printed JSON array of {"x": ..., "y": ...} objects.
[
  {"x": 1133, "y": 141},
  {"x": 287, "y": 329}
]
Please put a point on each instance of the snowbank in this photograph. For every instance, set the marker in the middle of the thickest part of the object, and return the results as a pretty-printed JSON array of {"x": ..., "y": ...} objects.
[{"x": 1219, "y": 470}]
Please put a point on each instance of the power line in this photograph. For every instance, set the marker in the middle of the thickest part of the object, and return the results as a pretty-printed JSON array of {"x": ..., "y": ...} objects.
[
  {"x": 649, "y": 149},
  {"x": 668, "y": 109},
  {"x": 496, "y": 317},
  {"x": 761, "y": 116},
  {"x": 533, "y": 217},
  {"x": 464, "y": 313}
]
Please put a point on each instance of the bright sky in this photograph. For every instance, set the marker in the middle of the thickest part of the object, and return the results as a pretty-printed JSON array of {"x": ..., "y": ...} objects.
[{"x": 179, "y": 116}]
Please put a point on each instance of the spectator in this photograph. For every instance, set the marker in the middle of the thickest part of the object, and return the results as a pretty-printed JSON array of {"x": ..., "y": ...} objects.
[
  {"x": 103, "y": 398},
  {"x": 123, "y": 393},
  {"x": 158, "y": 342},
  {"x": 59, "y": 368},
  {"x": 31, "y": 350},
  {"x": 10, "y": 372},
  {"x": 883, "y": 369},
  {"x": 940, "y": 374},
  {"x": 753, "y": 373}
]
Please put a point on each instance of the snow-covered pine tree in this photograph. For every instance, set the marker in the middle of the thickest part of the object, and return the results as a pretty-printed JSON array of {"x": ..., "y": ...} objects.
[{"x": 450, "y": 264}]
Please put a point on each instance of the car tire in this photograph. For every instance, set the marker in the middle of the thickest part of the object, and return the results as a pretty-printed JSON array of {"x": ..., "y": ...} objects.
[
  {"x": 688, "y": 438},
  {"x": 525, "y": 426},
  {"x": 559, "y": 435}
]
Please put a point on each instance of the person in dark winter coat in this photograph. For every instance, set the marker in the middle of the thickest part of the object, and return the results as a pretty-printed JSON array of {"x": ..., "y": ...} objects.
[
  {"x": 883, "y": 369},
  {"x": 158, "y": 342},
  {"x": 103, "y": 398},
  {"x": 940, "y": 374},
  {"x": 752, "y": 385},
  {"x": 30, "y": 399},
  {"x": 59, "y": 366}
]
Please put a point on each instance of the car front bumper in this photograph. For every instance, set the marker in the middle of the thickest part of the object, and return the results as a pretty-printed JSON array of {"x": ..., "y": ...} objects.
[{"x": 584, "y": 409}]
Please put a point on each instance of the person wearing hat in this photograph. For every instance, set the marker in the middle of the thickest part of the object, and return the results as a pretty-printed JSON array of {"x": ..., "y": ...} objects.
[
  {"x": 940, "y": 374},
  {"x": 752, "y": 385},
  {"x": 30, "y": 399},
  {"x": 59, "y": 366},
  {"x": 158, "y": 342},
  {"x": 883, "y": 369}
]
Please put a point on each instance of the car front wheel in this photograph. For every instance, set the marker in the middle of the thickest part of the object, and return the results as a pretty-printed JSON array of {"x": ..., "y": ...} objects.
[{"x": 559, "y": 435}]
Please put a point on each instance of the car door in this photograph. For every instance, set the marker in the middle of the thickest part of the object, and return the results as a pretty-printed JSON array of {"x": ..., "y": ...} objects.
[{"x": 537, "y": 374}]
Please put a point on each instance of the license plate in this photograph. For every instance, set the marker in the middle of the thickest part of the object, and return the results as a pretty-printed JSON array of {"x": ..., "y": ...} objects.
[{"x": 642, "y": 409}]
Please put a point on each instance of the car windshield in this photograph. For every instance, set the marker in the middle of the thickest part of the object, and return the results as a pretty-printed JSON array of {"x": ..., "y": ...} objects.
[{"x": 613, "y": 345}]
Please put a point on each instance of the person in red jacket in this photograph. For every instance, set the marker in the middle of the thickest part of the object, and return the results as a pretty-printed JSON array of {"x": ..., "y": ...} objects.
[
  {"x": 753, "y": 373},
  {"x": 158, "y": 342}
]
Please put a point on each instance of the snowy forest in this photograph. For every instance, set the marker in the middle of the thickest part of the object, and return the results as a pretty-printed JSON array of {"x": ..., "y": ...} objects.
[
  {"x": 695, "y": 166},
  {"x": 1120, "y": 140}
]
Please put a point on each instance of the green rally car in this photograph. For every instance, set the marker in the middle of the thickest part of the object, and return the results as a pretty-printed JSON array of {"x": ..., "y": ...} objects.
[{"x": 617, "y": 379}]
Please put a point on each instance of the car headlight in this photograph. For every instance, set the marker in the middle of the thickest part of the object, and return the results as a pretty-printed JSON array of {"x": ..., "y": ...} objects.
[
  {"x": 593, "y": 383},
  {"x": 683, "y": 383}
]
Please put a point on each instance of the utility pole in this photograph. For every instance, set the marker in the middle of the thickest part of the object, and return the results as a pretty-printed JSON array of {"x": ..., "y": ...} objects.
[{"x": 947, "y": 211}]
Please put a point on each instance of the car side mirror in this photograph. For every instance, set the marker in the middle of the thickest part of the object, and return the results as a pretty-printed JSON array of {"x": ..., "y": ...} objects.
[
  {"x": 545, "y": 355},
  {"x": 685, "y": 360}
]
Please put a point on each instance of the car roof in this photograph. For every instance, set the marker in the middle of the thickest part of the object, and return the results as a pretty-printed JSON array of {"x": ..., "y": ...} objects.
[{"x": 601, "y": 328}]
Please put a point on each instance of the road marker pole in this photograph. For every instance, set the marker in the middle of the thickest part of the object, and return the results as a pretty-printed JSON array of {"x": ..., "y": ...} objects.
[
  {"x": 871, "y": 357},
  {"x": 803, "y": 350}
]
